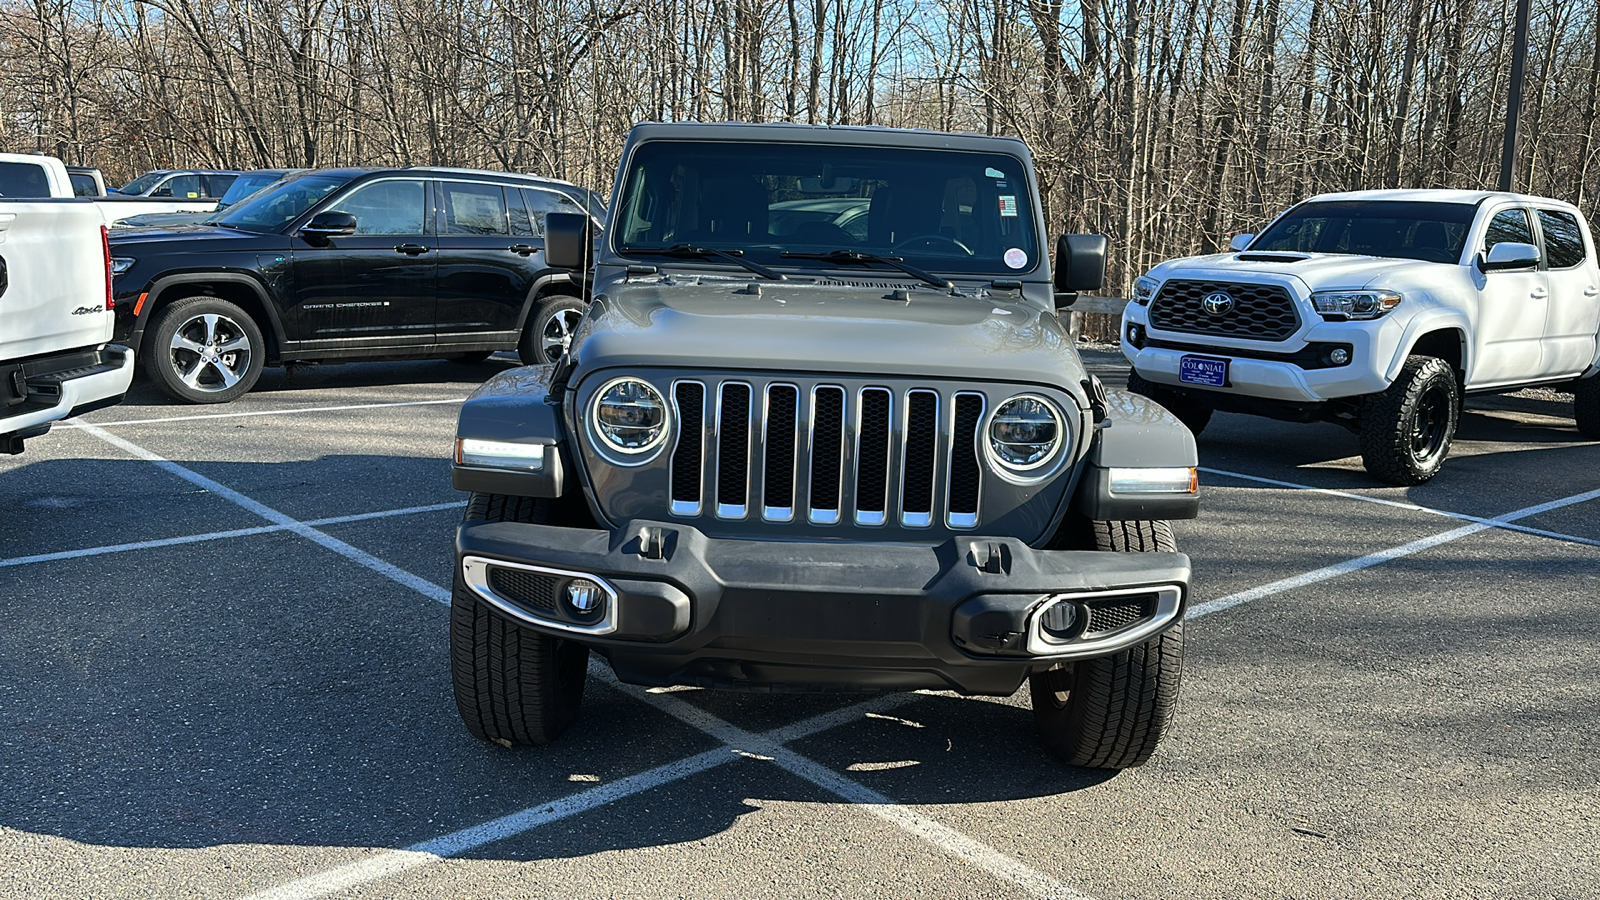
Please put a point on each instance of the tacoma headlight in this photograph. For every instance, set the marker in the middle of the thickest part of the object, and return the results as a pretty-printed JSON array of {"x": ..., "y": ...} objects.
[
  {"x": 629, "y": 417},
  {"x": 1144, "y": 290},
  {"x": 1025, "y": 434},
  {"x": 1355, "y": 304},
  {"x": 120, "y": 264}
]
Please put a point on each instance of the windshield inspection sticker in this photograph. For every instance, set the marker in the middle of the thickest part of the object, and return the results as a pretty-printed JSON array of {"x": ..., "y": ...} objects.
[
  {"x": 1016, "y": 258},
  {"x": 1008, "y": 205}
]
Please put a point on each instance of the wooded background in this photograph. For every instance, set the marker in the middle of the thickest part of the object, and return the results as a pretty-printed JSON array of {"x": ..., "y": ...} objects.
[{"x": 1165, "y": 125}]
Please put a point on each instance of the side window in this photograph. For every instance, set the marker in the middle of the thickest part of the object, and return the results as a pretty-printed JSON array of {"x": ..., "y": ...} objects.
[
  {"x": 387, "y": 207},
  {"x": 542, "y": 201},
  {"x": 83, "y": 185},
  {"x": 521, "y": 222},
  {"x": 23, "y": 180},
  {"x": 182, "y": 187},
  {"x": 1563, "y": 239},
  {"x": 217, "y": 185},
  {"x": 474, "y": 208},
  {"x": 1508, "y": 225}
]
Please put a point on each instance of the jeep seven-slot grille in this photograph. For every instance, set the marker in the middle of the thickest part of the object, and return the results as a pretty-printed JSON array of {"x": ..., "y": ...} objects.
[
  {"x": 824, "y": 455},
  {"x": 1262, "y": 312}
]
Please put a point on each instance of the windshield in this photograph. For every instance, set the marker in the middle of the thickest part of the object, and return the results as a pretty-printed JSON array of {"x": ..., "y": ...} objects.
[
  {"x": 277, "y": 206},
  {"x": 940, "y": 210},
  {"x": 141, "y": 184},
  {"x": 1431, "y": 232},
  {"x": 248, "y": 184}
]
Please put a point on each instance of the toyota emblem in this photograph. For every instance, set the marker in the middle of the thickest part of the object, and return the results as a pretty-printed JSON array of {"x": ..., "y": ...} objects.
[{"x": 1216, "y": 303}]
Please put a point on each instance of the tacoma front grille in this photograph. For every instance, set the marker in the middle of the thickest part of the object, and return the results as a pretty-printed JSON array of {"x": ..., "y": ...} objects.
[
  {"x": 822, "y": 454},
  {"x": 1261, "y": 312}
]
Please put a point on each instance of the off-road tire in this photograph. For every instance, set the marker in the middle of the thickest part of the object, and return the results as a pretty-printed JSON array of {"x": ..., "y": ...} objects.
[
  {"x": 1111, "y": 712},
  {"x": 1406, "y": 430},
  {"x": 1586, "y": 407},
  {"x": 1193, "y": 413},
  {"x": 182, "y": 321},
  {"x": 513, "y": 685},
  {"x": 534, "y": 347}
]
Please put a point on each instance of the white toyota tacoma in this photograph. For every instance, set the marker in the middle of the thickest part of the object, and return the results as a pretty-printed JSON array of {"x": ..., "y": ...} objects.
[
  {"x": 56, "y": 359},
  {"x": 1381, "y": 311}
]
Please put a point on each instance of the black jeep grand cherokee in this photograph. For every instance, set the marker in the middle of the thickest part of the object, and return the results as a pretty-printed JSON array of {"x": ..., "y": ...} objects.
[{"x": 347, "y": 264}]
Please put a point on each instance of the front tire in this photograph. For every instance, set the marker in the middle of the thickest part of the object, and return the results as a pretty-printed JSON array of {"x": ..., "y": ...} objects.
[
  {"x": 513, "y": 685},
  {"x": 1111, "y": 712},
  {"x": 1586, "y": 407},
  {"x": 1406, "y": 430},
  {"x": 547, "y": 336},
  {"x": 203, "y": 350},
  {"x": 1194, "y": 414}
]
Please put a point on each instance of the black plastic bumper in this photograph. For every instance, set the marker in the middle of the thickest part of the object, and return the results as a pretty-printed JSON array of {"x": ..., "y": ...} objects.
[{"x": 682, "y": 608}]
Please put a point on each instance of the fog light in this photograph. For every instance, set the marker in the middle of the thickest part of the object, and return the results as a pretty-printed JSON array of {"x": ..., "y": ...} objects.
[
  {"x": 584, "y": 596},
  {"x": 1136, "y": 335},
  {"x": 1339, "y": 356},
  {"x": 1060, "y": 620}
]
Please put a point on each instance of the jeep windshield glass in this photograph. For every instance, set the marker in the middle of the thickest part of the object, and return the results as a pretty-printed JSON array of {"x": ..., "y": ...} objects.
[
  {"x": 1431, "y": 232},
  {"x": 942, "y": 211},
  {"x": 277, "y": 206}
]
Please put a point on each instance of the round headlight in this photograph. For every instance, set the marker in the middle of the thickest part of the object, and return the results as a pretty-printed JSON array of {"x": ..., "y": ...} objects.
[
  {"x": 630, "y": 417},
  {"x": 1024, "y": 433}
]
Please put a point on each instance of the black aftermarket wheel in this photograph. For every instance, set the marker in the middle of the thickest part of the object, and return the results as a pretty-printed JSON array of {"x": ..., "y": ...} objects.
[
  {"x": 203, "y": 350},
  {"x": 513, "y": 685},
  {"x": 547, "y": 336},
  {"x": 1111, "y": 712},
  {"x": 1406, "y": 430}
]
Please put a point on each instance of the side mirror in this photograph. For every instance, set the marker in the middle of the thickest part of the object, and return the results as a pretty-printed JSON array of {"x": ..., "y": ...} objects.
[
  {"x": 1240, "y": 241},
  {"x": 1080, "y": 266},
  {"x": 568, "y": 238},
  {"x": 325, "y": 225},
  {"x": 1509, "y": 255}
]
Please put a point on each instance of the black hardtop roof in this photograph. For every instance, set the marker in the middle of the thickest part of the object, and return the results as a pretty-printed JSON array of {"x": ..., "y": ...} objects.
[{"x": 858, "y": 135}]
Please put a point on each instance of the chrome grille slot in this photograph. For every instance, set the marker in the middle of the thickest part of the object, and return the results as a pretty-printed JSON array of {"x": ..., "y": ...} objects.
[
  {"x": 920, "y": 442},
  {"x": 827, "y": 453},
  {"x": 688, "y": 458},
  {"x": 965, "y": 476},
  {"x": 872, "y": 456},
  {"x": 733, "y": 450},
  {"x": 779, "y": 443}
]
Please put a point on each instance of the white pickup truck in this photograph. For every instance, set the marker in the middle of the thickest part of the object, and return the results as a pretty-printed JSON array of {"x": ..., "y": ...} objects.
[
  {"x": 55, "y": 318},
  {"x": 25, "y": 176},
  {"x": 1380, "y": 311}
]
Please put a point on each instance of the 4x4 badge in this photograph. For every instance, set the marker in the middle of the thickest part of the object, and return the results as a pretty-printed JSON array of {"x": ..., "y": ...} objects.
[{"x": 1216, "y": 303}]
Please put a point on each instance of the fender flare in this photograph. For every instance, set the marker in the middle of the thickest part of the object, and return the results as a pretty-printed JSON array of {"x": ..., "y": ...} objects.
[
  {"x": 1138, "y": 433},
  {"x": 161, "y": 286},
  {"x": 540, "y": 285},
  {"x": 1427, "y": 322},
  {"x": 514, "y": 407}
]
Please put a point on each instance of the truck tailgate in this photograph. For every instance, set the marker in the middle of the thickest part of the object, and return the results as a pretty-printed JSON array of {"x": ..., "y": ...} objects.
[{"x": 53, "y": 290}]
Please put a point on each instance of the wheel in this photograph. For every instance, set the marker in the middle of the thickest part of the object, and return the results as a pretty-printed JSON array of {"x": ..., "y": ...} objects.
[
  {"x": 1111, "y": 712},
  {"x": 467, "y": 359},
  {"x": 513, "y": 685},
  {"x": 203, "y": 350},
  {"x": 1406, "y": 430},
  {"x": 548, "y": 334},
  {"x": 1586, "y": 407},
  {"x": 1195, "y": 414}
]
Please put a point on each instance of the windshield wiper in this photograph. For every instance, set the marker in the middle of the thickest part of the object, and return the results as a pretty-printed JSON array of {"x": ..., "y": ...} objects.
[
  {"x": 733, "y": 256},
  {"x": 857, "y": 256}
]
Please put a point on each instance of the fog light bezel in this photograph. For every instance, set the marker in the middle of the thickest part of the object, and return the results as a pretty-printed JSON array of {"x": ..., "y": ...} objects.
[{"x": 475, "y": 573}]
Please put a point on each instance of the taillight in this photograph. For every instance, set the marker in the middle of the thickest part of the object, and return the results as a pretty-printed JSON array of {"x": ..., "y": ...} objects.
[{"x": 105, "y": 251}]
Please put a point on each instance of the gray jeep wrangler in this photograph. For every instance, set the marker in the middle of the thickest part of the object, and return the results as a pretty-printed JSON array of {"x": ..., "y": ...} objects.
[{"x": 820, "y": 430}]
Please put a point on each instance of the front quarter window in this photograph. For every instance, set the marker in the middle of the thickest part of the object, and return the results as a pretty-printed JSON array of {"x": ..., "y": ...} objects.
[{"x": 273, "y": 209}]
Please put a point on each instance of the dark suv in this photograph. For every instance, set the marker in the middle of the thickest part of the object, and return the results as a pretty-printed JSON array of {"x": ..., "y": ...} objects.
[{"x": 347, "y": 264}]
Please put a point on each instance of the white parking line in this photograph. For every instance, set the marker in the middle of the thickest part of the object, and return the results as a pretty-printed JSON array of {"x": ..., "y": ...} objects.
[
  {"x": 354, "y": 554},
  {"x": 1399, "y": 504},
  {"x": 1382, "y": 556},
  {"x": 218, "y": 535},
  {"x": 393, "y": 862},
  {"x": 73, "y": 423}
]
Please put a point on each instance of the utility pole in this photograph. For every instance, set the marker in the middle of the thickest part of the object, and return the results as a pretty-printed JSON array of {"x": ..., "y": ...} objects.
[{"x": 1519, "y": 60}]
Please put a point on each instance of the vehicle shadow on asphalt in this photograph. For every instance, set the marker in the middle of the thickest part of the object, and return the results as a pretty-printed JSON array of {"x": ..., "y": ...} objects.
[{"x": 281, "y": 380}]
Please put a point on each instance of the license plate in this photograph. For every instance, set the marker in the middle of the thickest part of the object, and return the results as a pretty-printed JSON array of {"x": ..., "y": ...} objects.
[{"x": 1203, "y": 370}]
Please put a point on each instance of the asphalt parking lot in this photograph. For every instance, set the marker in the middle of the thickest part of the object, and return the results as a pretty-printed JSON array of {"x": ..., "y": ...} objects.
[{"x": 225, "y": 675}]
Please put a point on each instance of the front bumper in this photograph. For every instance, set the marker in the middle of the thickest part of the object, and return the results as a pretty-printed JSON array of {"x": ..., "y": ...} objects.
[{"x": 682, "y": 608}]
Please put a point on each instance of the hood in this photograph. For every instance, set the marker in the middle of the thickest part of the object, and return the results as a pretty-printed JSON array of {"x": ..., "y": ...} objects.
[
  {"x": 827, "y": 326},
  {"x": 187, "y": 235},
  {"x": 1317, "y": 271}
]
